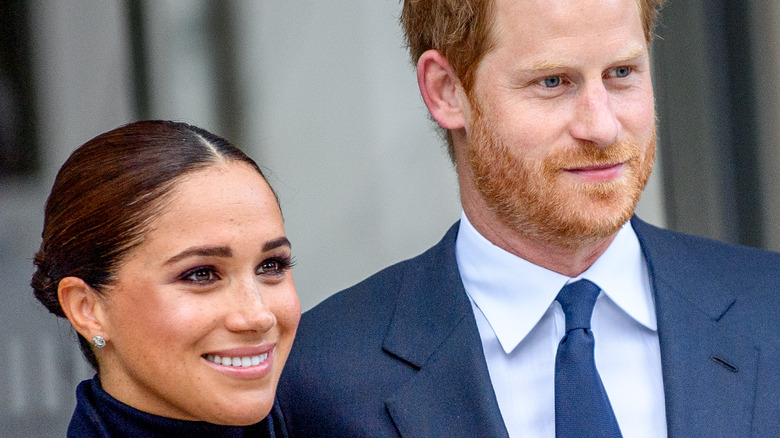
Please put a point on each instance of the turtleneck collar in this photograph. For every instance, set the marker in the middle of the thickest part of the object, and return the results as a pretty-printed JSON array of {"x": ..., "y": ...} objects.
[{"x": 98, "y": 414}]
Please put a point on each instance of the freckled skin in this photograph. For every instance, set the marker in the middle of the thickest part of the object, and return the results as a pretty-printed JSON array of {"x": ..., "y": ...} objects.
[{"x": 161, "y": 317}]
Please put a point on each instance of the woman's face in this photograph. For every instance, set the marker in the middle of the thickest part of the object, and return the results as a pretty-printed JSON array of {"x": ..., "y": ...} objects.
[{"x": 202, "y": 314}]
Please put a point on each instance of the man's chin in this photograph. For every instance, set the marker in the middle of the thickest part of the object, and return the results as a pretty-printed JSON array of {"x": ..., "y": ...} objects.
[{"x": 584, "y": 223}]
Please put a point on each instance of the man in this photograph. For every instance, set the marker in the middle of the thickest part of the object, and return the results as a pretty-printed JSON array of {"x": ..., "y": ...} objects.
[{"x": 549, "y": 112}]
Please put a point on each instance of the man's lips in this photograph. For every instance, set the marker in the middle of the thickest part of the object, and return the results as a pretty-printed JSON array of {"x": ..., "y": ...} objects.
[{"x": 598, "y": 172}]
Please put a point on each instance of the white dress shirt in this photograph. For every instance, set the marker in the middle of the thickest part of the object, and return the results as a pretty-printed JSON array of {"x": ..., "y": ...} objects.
[{"x": 521, "y": 324}]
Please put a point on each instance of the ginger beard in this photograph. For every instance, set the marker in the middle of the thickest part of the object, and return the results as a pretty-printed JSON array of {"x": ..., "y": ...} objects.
[{"x": 535, "y": 198}]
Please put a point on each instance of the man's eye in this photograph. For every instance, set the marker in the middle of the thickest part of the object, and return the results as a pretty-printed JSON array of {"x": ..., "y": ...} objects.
[
  {"x": 200, "y": 275},
  {"x": 622, "y": 72},
  {"x": 552, "y": 81}
]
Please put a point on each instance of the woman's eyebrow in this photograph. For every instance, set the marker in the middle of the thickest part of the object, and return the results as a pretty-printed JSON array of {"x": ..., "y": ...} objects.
[
  {"x": 222, "y": 251},
  {"x": 207, "y": 251},
  {"x": 276, "y": 243}
]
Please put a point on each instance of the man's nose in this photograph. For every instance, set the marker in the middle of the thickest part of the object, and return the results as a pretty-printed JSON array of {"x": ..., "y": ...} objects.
[{"x": 594, "y": 119}]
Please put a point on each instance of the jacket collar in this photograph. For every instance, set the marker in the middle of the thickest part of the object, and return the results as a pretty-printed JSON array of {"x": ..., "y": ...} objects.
[
  {"x": 433, "y": 329},
  {"x": 709, "y": 365}
]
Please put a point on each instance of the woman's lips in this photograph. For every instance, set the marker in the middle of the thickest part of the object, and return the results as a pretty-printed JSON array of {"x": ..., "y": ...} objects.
[
  {"x": 242, "y": 362},
  {"x": 237, "y": 361}
]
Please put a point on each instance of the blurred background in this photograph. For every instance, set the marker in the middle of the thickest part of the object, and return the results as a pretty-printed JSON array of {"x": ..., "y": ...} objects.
[{"x": 323, "y": 96}]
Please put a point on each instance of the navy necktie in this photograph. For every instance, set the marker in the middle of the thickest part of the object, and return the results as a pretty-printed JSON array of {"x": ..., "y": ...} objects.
[{"x": 582, "y": 407}]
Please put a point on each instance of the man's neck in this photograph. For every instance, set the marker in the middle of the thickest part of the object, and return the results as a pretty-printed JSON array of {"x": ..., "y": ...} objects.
[{"x": 569, "y": 261}]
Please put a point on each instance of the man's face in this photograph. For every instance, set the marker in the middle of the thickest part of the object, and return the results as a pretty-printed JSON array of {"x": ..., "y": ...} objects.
[{"x": 562, "y": 126}]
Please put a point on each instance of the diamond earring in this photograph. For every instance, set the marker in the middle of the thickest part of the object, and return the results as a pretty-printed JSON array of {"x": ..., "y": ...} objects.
[{"x": 98, "y": 341}]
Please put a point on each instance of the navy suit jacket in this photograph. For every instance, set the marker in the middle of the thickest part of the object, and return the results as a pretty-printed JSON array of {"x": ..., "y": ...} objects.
[{"x": 400, "y": 355}]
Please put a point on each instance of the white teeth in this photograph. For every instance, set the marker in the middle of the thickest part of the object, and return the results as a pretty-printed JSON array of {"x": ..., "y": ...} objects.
[{"x": 245, "y": 361}]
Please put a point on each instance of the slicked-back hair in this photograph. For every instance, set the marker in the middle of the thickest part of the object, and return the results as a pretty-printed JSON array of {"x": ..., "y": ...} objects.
[{"x": 105, "y": 196}]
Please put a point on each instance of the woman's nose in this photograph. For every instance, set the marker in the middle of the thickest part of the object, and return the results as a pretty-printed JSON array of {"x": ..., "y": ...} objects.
[{"x": 247, "y": 309}]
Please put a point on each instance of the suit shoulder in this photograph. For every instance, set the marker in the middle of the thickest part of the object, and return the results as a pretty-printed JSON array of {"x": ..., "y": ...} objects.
[
  {"x": 377, "y": 287},
  {"x": 728, "y": 271},
  {"x": 375, "y": 297},
  {"x": 371, "y": 298},
  {"x": 687, "y": 248}
]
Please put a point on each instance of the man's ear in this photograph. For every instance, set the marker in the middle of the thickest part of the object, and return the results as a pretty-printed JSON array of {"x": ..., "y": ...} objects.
[
  {"x": 82, "y": 306},
  {"x": 441, "y": 90}
]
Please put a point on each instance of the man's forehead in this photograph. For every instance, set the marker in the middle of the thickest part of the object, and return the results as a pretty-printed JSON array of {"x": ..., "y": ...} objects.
[
  {"x": 525, "y": 22},
  {"x": 508, "y": 14}
]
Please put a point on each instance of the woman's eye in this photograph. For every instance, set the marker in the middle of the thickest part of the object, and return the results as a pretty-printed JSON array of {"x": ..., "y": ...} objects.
[
  {"x": 552, "y": 81},
  {"x": 622, "y": 72},
  {"x": 200, "y": 275},
  {"x": 270, "y": 267},
  {"x": 274, "y": 266}
]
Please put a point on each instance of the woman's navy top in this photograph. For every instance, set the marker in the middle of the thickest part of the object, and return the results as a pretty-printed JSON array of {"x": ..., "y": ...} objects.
[{"x": 100, "y": 415}]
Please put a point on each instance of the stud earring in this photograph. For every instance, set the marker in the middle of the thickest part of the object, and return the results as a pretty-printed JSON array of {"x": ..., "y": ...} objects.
[{"x": 98, "y": 341}]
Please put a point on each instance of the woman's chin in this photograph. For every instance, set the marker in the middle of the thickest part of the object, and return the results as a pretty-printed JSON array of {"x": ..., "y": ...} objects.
[{"x": 242, "y": 417}]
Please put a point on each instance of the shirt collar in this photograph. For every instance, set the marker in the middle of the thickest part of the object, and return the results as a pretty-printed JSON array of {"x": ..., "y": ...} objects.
[{"x": 514, "y": 293}]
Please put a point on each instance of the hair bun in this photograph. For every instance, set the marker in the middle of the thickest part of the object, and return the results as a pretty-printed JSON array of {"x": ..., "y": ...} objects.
[{"x": 44, "y": 287}]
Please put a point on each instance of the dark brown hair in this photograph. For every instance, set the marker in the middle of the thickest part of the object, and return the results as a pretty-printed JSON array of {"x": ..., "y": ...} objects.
[
  {"x": 105, "y": 196},
  {"x": 461, "y": 30}
]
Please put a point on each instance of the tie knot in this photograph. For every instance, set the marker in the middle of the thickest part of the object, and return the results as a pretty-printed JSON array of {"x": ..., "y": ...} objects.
[{"x": 577, "y": 300}]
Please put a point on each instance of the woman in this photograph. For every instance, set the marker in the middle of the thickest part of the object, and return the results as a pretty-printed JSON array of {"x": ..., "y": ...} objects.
[{"x": 164, "y": 247}]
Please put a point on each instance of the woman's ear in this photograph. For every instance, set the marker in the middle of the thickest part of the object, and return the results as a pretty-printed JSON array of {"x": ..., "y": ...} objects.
[
  {"x": 82, "y": 306},
  {"x": 441, "y": 90}
]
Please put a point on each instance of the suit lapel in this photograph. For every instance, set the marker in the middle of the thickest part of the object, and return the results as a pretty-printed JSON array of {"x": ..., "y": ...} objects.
[
  {"x": 709, "y": 364},
  {"x": 709, "y": 370},
  {"x": 434, "y": 330}
]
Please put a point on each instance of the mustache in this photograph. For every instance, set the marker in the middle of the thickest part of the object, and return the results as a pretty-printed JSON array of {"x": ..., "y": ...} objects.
[{"x": 588, "y": 154}]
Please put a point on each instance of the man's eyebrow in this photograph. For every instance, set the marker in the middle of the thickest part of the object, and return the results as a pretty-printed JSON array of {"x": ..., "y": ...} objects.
[
  {"x": 203, "y": 251},
  {"x": 553, "y": 64},
  {"x": 636, "y": 52}
]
